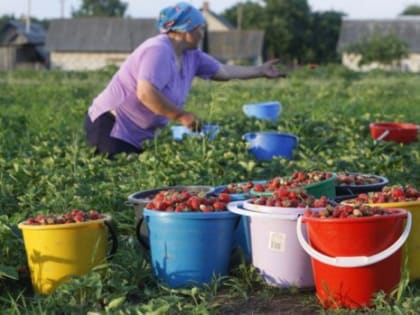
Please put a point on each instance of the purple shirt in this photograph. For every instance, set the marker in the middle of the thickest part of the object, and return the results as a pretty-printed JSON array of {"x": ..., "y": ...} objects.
[{"x": 154, "y": 61}]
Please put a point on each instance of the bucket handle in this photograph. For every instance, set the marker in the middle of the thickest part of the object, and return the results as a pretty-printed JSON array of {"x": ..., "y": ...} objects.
[
  {"x": 142, "y": 242},
  {"x": 113, "y": 237},
  {"x": 353, "y": 261},
  {"x": 233, "y": 207},
  {"x": 382, "y": 136}
]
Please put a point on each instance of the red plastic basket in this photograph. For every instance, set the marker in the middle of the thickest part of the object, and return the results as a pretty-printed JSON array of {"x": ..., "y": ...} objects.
[{"x": 394, "y": 131}]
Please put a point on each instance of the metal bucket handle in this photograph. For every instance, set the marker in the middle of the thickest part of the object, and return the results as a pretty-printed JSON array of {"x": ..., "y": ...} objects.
[
  {"x": 353, "y": 261},
  {"x": 142, "y": 242},
  {"x": 112, "y": 237}
]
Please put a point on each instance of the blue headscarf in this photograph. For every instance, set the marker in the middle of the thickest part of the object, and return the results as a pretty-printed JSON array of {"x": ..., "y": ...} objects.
[{"x": 182, "y": 17}]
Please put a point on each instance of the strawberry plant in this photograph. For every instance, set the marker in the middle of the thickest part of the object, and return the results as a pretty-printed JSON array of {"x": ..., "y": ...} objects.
[{"x": 46, "y": 168}]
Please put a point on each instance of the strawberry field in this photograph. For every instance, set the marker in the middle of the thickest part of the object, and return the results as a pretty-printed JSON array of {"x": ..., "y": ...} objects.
[{"x": 46, "y": 168}]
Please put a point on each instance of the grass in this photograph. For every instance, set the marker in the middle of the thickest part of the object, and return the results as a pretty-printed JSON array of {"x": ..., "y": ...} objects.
[{"x": 46, "y": 167}]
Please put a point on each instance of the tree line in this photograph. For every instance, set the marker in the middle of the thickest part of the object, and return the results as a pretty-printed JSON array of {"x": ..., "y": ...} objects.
[{"x": 293, "y": 32}]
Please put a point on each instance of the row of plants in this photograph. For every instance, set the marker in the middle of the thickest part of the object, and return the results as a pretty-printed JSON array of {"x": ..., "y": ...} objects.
[{"x": 47, "y": 168}]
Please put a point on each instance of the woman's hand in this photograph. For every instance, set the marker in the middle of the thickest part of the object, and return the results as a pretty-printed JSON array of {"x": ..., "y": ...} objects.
[
  {"x": 190, "y": 121},
  {"x": 269, "y": 70}
]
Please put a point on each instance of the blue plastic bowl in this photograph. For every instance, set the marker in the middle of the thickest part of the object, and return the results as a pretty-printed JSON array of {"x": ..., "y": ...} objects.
[
  {"x": 210, "y": 131},
  {"x": 268, "y": 144},
  {"x": 265, "y": 111}
]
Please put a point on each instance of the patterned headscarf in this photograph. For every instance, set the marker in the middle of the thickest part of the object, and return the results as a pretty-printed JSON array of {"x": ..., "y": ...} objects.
[{"x": 181, "y": 17}]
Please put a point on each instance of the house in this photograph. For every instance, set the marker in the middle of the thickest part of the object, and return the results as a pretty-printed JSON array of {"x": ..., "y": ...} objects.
[
  {"x": 406, "y": 28},
  {"x": 91, "y": 43},
  {"x": 23, "y": 47},
  {"x": 237, "y": 46},
  {"x": 214, "y": 21}
]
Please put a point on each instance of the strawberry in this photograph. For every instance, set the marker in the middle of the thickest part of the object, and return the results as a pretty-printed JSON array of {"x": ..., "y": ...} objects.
[{"x": 224, "y": 197}]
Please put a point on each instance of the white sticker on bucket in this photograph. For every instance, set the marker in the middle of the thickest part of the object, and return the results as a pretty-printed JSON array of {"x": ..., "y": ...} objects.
[{"x": 277, "y": 241}]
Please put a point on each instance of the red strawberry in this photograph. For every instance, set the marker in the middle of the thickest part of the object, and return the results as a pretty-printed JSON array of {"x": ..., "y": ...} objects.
[
  {"x": 219, "y": 206},
  {"x": 224, "y": 197}
]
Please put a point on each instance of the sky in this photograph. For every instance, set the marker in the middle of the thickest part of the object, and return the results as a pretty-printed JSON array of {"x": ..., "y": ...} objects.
[{"x": 355, "y": 9}]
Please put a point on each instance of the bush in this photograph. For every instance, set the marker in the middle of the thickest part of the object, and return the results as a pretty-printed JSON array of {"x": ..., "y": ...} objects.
[{"x": 382, "y": 48}]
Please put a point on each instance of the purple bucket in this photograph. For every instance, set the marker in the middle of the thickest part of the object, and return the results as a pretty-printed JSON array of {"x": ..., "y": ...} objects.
[{"x": 276, "y": 251}]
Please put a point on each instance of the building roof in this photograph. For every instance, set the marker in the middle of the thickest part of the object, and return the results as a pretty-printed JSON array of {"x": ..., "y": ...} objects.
[
  {"x": 14, "y": 32},
  {"x": 236, "y": 44},
  {"x": 205, "y": 9},
  {"x": 124, "y": 35},
  {"x": 407, "y": 28},
  {"x": 93, "y": 34}
]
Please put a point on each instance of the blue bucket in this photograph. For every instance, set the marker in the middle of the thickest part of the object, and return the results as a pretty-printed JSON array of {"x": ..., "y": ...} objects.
[
  {"x": 190, "y": 248},
  {"x": 269, "y": 144},
  {"x": 210, "y": 131},
  {"x": 265, "y": 111},
  {"x": 241, "y": 238}
]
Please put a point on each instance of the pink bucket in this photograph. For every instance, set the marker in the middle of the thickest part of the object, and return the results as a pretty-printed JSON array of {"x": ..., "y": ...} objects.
[{"x": 276, "y": 251}]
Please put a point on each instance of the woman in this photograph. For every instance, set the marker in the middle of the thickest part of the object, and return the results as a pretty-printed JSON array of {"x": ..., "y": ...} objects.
[{"x": 152, "y": 85}]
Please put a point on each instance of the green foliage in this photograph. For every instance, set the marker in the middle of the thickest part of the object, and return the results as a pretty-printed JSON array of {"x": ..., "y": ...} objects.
[
  {"x": 385, "y": 49},
  {"x": 411, "y": 10},
  {"x": 46, "y": 167},
  {"x": 101, "y": 8},
  {"x": 292, "y": 32}
]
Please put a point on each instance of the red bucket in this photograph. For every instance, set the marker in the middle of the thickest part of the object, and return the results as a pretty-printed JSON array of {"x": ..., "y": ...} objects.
[
  {"x": 355, "y": 258},
  {"x": 392, "y": 131}
]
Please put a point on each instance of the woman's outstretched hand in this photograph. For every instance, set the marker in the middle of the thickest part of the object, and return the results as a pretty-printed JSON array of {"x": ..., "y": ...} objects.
[{"x": 269, "y": 69}]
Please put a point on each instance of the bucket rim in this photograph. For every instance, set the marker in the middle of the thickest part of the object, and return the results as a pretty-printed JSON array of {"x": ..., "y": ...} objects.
[
  {"x": 384, "y": 181},
  {"x": 396, "y": 213},
  {"x": 247, "y": 205},
  {"x": 393, "y": 126},
  {"x": 239, "y": 196},
  {"x": 387, "y": 205},
  {"x": 23, "y": 226},
  {"x": 237, "y": 208},
  {"x": 189, "y": 215},
  {"x": 267, "y": 103},
  {"x": 268, "y": 132},
  {"x": 139, "y": 201},
  {"x": 332, "y": 178}
]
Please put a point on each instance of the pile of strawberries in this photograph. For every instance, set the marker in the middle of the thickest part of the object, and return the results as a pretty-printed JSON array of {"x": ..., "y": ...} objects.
[
  {"x": 388, "y": 194},
  {"x": 298, "y": 179},
  {"x": 186, "y": 201},
  {"x": 347, "y": 211},
  {"x": 72, "y": 216},
  {"x": 355, "y": 179},
  {"x": 290, "y": 198},
  {"x": 239, "y": 188}
]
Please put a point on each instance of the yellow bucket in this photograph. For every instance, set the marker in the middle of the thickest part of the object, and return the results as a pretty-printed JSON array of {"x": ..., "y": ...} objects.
[
  {"x": 413, "y": 241},
  {"x": 58, "y": 251}
]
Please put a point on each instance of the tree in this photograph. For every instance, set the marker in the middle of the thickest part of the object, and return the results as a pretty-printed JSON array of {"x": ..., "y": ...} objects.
[
  {"x": 411, "y": 10},
  {"x": 323, "y": 37},
  {"x": 382, "y": 48},
  {"x": 101, "y": 8},
  {"x": 292, "y": 32}
]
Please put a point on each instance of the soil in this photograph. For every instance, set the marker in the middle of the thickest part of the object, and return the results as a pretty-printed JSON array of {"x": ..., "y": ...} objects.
[{"x": 284, "y": 303}]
